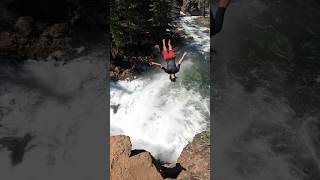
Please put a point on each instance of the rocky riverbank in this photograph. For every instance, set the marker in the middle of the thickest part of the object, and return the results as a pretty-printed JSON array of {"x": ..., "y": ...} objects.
[
  {"x": 30, "y": 39},
  {"x": 193, "y": 162},
  {"x": 56, "y": 29}
]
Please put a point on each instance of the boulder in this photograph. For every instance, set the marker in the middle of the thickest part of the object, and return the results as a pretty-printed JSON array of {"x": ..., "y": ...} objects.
[
  {"x": 57, "y": 30},
  {"x": 195, "y": 158},
  {"x": 7, "y": 42},
  {"x": 127, "y": 165}
]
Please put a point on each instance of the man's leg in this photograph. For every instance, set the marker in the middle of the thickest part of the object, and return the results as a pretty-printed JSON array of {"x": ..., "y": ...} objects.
[
  {"x": 224, "y": 3},
  {"x": 219, "y": 16},
  {"x": 218, "y": 20},
  {"x": 169, "y": 44},
  {"x": 164, "y": 45}
]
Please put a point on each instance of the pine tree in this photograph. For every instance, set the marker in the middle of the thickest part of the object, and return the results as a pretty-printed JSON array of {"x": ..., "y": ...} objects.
[{"x": 133, "y": 21}]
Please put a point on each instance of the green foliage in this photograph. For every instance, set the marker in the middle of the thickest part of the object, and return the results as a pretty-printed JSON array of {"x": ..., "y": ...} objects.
[{"x": 134, "y": 22}]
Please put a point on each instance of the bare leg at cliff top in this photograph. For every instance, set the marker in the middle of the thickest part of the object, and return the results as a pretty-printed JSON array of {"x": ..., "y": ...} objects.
[{"x": 217, "y": 20}]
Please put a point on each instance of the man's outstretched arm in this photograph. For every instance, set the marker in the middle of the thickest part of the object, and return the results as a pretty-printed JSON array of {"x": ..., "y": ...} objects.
[
  {"x": 182, "y": 58},
  {"x": 156, "y": 64}
]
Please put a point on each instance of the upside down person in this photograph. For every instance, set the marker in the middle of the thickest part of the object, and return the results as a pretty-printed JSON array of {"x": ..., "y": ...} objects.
[{"x": 170, "y": 57}]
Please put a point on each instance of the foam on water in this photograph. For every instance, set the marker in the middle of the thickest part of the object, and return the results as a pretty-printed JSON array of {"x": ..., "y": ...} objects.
[
  {"x": 158, "y": 119},
  {"x": 200, "y": 35}
]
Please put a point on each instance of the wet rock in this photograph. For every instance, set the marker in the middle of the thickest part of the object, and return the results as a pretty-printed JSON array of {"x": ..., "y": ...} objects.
[
  {"x": 127, "y": 165},
  {"x": 57, "y": 30},
  {"x": 156, "y": 50},
  {"x": 29, "y": 40},
  {"x": 126, "y": 67},
  {"x": 115, "y": 108},
  {"x": 35, "y": 29},
  {"x": 189, "y": 38},
  {"x": 7, "y": 42},
  {"x": 195, "y": 158},
  {"x": 24, "y": 25}
]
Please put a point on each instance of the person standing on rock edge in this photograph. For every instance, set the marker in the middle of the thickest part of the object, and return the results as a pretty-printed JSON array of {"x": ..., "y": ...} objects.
[
  {"x": 169, "y": 56},
  {"x": 217, "y": 20}
]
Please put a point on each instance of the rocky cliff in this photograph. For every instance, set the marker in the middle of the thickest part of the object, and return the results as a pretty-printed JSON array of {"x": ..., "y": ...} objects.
[
  {"x": 195, "y": 158},
  {"x": 125, "y": 163}
]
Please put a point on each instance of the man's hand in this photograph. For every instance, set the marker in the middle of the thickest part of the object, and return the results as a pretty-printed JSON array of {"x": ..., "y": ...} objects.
[
  {"x": 151, "y": 62},
  {"x": 154, "y": 63}
]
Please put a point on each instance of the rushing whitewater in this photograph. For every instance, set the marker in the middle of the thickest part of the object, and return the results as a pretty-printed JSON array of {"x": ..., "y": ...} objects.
[
  {"x": 158, "y": 115},
  {"x": 200, "y": 35},
  {"x": 62, "y": 106}
]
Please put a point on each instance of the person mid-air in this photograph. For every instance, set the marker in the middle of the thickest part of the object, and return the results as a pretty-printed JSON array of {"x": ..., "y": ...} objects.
[{"x": 170, "y": 57}]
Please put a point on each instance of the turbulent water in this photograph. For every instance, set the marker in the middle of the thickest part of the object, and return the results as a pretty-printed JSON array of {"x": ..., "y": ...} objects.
[
  {"x": 266, "y": 105},
  {"x": 158, "y": 115},
  {"x": 63, "y": 107}
]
